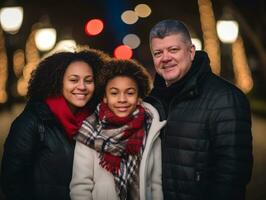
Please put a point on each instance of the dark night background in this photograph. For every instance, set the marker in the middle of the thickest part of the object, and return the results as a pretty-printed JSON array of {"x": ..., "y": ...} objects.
[{"x": 68, "y": 17}]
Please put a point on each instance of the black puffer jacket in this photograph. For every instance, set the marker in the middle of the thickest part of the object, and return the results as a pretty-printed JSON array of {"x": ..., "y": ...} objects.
[
  {"x": 207, "y": 142},
  {"x": 38, "y": 156}
]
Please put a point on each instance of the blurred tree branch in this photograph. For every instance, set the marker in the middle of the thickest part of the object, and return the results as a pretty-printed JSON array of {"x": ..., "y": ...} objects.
[{"x": 252, "y": 36}]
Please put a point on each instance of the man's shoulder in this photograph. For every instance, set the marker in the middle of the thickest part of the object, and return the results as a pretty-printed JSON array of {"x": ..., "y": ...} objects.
[
  {"x": 221, "y": 85},
  {"x": 223, "y": 92}
]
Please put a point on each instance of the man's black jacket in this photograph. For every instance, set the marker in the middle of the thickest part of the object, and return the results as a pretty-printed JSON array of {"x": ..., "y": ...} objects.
[{"x": 207, "y": 141}]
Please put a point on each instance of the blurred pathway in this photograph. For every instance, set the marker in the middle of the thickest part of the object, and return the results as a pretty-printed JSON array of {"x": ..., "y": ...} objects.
[
  {"x": 6, "y": 117},
  {"x": 257, "y": 187}
]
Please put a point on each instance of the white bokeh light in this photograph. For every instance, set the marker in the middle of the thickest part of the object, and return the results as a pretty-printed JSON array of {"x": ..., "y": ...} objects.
[
  {"x": 45, "y": 38},
  {"x": 129, "y": 17},
  {"x": 197, "y": 43},
  {"x": 227, "y": 30},
  {"x": 66, "y": 45},
  {"x": 63, "y": 45},
  {"x": 11, "y": 19},
  {"x": 131, "y": 40}
]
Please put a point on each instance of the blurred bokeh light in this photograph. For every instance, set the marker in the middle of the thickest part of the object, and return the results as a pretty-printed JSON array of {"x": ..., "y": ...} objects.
[
  {"x": 11, "y": 19},
  {"x": 123, "y": 52},
  {"x": 131, "y": 40},
  {"x": 129, "y": 17},
  {"x": 94, "y": 27},
  {"x": 45, "y": 38},
  {"x": 142, "y": 10}
]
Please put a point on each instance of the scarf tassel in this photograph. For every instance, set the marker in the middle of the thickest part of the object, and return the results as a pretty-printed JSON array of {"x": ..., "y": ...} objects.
[{"x": 110, "y": 163}]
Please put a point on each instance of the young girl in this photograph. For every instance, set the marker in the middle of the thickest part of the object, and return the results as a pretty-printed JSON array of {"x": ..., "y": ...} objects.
[{"x": 118, "y": 150}]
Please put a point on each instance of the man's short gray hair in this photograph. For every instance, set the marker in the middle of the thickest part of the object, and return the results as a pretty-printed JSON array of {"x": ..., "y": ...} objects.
[{"x": 168, "y": 27}]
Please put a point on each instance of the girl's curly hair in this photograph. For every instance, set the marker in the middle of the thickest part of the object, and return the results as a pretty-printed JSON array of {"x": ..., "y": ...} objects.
[
  {"x": 47, "y": 79},
  {"x": 129, "y": 68}
]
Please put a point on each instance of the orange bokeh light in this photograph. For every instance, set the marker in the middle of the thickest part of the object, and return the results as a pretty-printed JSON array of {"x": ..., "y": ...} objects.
[
  {"x": 123, "y": 52},
  {"x": 94, "y": 27}
]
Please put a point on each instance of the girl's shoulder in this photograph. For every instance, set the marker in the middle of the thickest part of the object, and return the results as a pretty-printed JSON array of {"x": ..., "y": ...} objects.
[{"x": 151, "y": 110}]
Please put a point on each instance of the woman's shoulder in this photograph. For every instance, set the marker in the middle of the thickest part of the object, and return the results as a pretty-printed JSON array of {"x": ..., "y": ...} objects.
[
  {"x": 29, "y": 114},
  {"x": 32, "y": 115},
  {"x": 23, "y": 128}
]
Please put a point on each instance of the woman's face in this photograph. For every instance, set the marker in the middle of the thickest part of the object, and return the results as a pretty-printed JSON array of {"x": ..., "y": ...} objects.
[
  {"x": 121, "y": 96},
  {"x": 78, "y": 84}
]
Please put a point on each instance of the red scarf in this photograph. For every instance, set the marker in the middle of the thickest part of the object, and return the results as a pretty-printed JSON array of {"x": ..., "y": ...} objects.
[
  {"x": 70, "y": 122},
  {"x": 133, "y": 134}
]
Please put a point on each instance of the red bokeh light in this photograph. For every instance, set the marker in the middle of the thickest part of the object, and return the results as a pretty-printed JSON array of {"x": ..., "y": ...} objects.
[
  {"x": 123, "y": 52},
  {"x": 94, "y": 27}
]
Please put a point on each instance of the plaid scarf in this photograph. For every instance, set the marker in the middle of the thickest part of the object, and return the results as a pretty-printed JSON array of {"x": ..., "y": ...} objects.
[{"x": 119, "y": 140}]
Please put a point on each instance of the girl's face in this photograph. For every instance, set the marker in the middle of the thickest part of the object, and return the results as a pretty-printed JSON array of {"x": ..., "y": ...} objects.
[
  {"x": 121, "y": 96},
  {"x": 78, "y": 84}
]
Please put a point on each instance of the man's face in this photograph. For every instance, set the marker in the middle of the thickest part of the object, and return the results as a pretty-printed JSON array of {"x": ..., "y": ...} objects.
[{"x": 172, "y": 57}]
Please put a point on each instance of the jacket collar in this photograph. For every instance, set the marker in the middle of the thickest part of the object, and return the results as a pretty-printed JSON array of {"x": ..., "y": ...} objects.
[
  {"x": 190, "y": 84},
  {"x": 157, "y": 124}
]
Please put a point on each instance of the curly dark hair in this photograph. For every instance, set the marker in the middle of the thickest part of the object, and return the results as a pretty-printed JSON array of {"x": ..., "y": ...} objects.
[
  {"x": 47, "y": 79},
  {"x": 129, "y": 68}
]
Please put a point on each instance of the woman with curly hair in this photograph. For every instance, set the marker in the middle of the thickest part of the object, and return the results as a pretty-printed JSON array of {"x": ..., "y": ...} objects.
[
  {"x": 118, "y": 150},
  {"x": 38, "y": 152}
]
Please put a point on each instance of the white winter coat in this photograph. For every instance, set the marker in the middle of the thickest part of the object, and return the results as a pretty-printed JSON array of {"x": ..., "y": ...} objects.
[{"x": 92, "y": 182}]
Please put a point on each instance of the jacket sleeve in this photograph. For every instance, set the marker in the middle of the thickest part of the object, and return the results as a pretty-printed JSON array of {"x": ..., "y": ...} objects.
[
  {"x": 231, "y": 146},
  {"x": 18, "y": 159},
  {"x": 156, "y": 179},
  {"x": 81, "y": 185}
]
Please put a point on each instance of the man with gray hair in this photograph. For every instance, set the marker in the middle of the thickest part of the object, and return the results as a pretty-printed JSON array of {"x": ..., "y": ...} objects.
[{"x": 207, "y": 141}]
